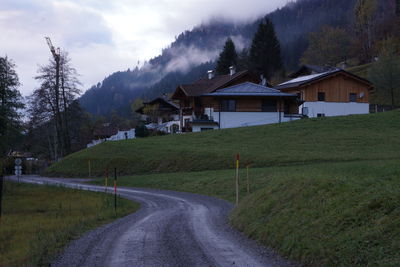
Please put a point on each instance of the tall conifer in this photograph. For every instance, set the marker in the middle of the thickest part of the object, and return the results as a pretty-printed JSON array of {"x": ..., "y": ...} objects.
[
  {"x": 227, "y": 58},
  {"x": 265, "y": 52},
  {"x": 10, "y": 104}
]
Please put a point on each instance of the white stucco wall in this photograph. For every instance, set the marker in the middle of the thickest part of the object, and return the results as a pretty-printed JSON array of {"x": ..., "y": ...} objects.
[
  {"x": 197, "y": 128},
  {"x": 335, "y": 108},
  {"x": 242, "y": 119},
  {"x": 120, "y": 135}
]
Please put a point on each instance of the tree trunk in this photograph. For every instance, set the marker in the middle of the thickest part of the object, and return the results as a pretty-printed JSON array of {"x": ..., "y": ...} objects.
[
  {"x": 57, "y": 105},
  {"x": 67, "y": 142}
]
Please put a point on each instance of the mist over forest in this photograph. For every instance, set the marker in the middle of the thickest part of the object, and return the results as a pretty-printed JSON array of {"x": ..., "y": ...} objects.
[{"x": 194, "y": 52}]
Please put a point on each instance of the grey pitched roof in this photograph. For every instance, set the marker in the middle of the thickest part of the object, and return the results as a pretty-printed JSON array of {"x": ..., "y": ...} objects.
[
  {"x": 303, "y": 79},
  {"x": 158, "y": 100},
  {"x": 205, "y": 85},
  {"x": 249, "y": 89},
  {"x": 311, "y": 69}
]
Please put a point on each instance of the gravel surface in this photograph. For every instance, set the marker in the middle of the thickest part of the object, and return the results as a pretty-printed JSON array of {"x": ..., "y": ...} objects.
[{"x": 170, "y": 229}]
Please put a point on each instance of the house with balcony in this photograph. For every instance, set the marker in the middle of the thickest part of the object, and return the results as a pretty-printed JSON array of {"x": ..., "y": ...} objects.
[
  {"x": 245, "y": 104},
  {"x": 233, "y": 100},
  {"x": 161, "y": 114},
  {"x": 191, "y": 96},
  {"x": 335, "y": 92}
]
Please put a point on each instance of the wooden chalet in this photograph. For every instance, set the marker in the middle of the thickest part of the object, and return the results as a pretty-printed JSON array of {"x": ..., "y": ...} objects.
[
  {"x": 165, "y": 109},
  {"x": 190, "y": 95},
  {"x": 246, "y": 104},
  {"x": 331, "y": 93}
]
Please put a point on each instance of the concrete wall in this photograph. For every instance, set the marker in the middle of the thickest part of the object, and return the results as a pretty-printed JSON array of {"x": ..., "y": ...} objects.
[
  {"x": 120, "y": 135},
  {"x": 198, "y": 128},
  {"x": 335, "y": 108},
  {"x": 242, "y": 119}
]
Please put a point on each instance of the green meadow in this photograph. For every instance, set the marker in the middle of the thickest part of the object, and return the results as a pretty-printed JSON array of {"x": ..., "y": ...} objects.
[{"x": 38, "y": 221}]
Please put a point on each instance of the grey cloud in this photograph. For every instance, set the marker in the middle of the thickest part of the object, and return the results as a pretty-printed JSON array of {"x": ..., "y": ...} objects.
[
  {"x": 82, "y": 28},
  {"x": 186, "y": 57}
]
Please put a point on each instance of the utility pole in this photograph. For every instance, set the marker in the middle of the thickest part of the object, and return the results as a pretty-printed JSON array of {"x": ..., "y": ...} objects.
[{"x": 237, "y": 179}]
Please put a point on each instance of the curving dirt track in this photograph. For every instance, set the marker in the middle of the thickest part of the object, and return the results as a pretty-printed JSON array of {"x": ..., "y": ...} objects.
[{"x": 170, "y": 229}]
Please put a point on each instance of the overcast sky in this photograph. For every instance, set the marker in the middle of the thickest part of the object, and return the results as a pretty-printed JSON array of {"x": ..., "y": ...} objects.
[{"x": 108, "y": 35}]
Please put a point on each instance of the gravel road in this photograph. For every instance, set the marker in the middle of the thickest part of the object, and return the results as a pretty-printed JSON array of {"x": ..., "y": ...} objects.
[{"x": 170, "y": 229}]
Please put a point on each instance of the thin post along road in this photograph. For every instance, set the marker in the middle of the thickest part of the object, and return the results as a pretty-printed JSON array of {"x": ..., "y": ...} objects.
[{"x": 170, "y": 229}]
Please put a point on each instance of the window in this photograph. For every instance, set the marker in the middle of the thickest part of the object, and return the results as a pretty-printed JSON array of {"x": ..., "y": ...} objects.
[
  {"x": 206, "y": 129},
  {"x": 353, "y": 97},
  {"x": 321, "y": 96},
  {"x": 268, "y": 105},
  {"x": 228, "y": 105},
  {"x": 320, "y": 114},
  {"x": 186, "y": 122}
]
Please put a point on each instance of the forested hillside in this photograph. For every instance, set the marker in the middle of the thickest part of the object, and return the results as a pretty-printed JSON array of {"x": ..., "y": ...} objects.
[{"x": 194, "y": 52}]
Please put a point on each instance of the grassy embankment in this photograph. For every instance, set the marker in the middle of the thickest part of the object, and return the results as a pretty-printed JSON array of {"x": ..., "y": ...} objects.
[
  {"x": 38, "y": 221},
  {"x": 340, "y": 139},
  {"x": 323, "y": 191},
  {"x": 334, "y": 214}
]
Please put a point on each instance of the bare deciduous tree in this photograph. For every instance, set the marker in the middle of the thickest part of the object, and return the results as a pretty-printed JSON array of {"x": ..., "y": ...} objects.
[{"x": 50, "y": 102}]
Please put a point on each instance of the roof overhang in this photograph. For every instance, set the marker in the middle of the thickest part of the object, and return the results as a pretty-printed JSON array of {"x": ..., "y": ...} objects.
[
  {"x": 203, "y": 122},
  {"x": 216, "y": 94},
  {"x": 175, "y": 95}
]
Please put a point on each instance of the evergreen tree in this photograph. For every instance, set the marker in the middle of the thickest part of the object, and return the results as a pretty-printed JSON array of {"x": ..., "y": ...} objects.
[
  {"x": 227, "y": 58},
  {"x": 10, "y": 103},
  {"x": 398, "y": 7},
  {"x": 265, "y": 52},
  {"x": 243, "y": 60},
  {"x": 141, "y": 130}
]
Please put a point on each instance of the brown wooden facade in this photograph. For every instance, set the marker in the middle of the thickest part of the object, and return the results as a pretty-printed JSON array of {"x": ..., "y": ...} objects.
[
  {"x": 190, "y": 99},
  {"x": 251, "y": 104},
  {"x": 337, "y": 88}
]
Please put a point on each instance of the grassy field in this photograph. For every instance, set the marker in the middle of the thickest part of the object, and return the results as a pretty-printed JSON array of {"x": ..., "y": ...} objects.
[
  {"x": 320, "y": 214},
  {"x": 38, "y": 221},
  {"x": 338, "y": 139}
]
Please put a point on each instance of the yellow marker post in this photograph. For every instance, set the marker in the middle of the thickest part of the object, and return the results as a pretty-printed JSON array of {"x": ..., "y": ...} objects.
[
  {"x": 106, "y": 181},
  {"x": 248, "y": 183},
  {"x": 115, "y": 191},
  {"x": 89, "y": 168},
  {"x": 237, "y": 179}
]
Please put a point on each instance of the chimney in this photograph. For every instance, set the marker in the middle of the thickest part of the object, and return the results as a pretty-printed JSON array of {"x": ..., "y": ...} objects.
[
  {"x": 210, "y": 74},
  {"x": 232, "y": 70},
  {"x": 263, "y": 81}
]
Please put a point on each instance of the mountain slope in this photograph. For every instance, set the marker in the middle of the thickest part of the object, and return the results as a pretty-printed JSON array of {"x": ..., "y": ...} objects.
[{"x": 193, "y": 49}]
